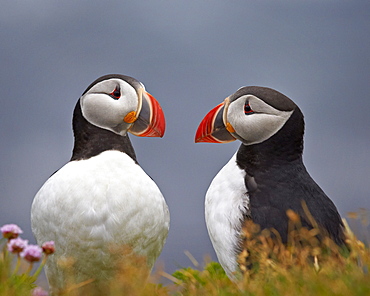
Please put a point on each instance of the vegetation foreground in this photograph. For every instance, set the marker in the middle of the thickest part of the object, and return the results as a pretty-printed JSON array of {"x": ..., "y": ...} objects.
[{"x": 305, "y": 266}]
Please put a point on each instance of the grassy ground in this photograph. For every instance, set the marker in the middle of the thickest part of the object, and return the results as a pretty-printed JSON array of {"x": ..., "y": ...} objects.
[{"x": 305, "y": 266}]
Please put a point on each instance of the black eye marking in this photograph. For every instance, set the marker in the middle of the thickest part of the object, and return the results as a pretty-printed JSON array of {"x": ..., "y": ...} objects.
[
  {"x": 116, "y": 94},
  {"x": 247, "y": 109}
]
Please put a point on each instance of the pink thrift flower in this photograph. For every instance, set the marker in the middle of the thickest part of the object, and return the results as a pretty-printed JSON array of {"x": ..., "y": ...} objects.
[
  {"x": 32, "y": 253},
  {"x": 10, "y": 231},
  {"x": 39, "y": 292},
  {"x": 48, "y": 247},
  {"x": 17, "y": 245}
]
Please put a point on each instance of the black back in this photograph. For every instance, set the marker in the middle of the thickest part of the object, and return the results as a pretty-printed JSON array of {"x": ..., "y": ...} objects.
[{"x": 277, "y": 180}]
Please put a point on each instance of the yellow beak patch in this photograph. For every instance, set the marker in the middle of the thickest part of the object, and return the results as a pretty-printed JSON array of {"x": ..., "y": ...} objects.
[
  {"x": 130, "y": 117},
  {"x": 230, "y": 128}
]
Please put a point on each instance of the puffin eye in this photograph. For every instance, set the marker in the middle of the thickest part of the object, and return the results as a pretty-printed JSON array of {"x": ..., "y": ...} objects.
[
  {"x": 247, "y": 109},
  {"x": 116, "y": 94}
]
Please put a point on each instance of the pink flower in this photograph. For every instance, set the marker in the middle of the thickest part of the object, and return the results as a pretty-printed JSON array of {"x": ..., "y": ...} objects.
[
  {"x": 48, "y": 247},
  {"x": 32, "y": 253},
  {"x": 10, "y": 231},
  {"x": 17, "y": 245},
  {"x": 39, "y": 292}
]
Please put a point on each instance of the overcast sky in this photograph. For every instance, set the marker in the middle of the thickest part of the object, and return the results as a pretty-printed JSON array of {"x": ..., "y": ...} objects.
[{"x": 190, "y": 55}]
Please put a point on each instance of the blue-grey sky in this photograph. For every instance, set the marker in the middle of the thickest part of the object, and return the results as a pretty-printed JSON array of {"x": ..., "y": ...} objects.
[{"x": 190, "y": 55}]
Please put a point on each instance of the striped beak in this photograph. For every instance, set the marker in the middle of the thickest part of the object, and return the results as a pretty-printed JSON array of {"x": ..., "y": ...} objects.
[
  {"x": 151, "y": 121},
  {"x": 212, "y": 128}
]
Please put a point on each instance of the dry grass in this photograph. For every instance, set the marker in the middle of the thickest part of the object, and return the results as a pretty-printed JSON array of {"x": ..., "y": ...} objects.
[{"x": 305, "y": 266}]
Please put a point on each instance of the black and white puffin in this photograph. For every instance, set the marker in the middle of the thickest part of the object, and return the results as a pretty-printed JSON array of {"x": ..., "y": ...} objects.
[
  {"x": 102, "y": 198},
  {"x": 265, "y": 177}
]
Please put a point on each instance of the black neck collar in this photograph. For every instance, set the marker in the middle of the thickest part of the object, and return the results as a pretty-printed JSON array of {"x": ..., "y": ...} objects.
[
  {"x": 286, "y": 146},
  {"x": 91, "y": 140}
]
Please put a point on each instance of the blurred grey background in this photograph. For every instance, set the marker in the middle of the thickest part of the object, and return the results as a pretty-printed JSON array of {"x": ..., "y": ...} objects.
[{"x": 190, "y": 55}]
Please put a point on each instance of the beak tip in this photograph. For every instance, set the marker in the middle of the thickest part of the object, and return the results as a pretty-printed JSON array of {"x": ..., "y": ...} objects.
[
  {"x": 206, "y": 127},
  {"x": 201, "y": 135},
  {"x": 212, "y": 129},
  {"x": 153, "y": 123}
]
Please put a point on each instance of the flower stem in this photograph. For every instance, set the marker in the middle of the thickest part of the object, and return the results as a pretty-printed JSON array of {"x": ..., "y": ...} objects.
[
  {"x": 37, "y": 272},
  {"x": 30, "y": 268},
  {"x": 5, "y": 254},
  {"x": 17, "y": 265}
]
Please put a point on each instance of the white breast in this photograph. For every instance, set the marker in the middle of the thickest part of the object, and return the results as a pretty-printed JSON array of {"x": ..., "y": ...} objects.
[
  {"x": 226, "y": 202},
  {"x": 91, "y": 204}
]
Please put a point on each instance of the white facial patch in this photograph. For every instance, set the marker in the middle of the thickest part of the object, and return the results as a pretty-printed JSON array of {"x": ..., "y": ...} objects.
[
  {"x": 105, "y": 111},
  {"x": 254, "y": 128}
]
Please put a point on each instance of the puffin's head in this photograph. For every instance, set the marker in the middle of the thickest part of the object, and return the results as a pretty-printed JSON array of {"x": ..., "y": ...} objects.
[
  {"x": 253, "y": 114},
  {"x": 120, "y": 104}
]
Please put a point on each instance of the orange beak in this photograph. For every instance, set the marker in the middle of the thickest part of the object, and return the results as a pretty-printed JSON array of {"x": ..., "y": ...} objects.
[
  {"x": 212, "y": 128},
  {"x": 151, "y": 121}
]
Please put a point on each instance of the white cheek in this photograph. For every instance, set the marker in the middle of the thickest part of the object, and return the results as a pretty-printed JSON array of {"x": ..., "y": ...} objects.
[
  {"x": 105, "y": 112},
  {"x": 257, "y": 127},
  {"x": 100, "y": 111}
]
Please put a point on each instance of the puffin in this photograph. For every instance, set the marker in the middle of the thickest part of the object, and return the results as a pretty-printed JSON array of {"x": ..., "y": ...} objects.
[
  {"x": 265, "y": 178},
  {"x": 101, "y": 207}
]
